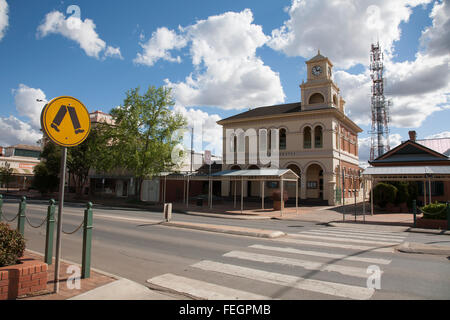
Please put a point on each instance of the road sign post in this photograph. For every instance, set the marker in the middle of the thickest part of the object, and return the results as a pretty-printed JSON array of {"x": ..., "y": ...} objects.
[
  {"x": 62, "y": 183},
  {"x": 66, "y": 122}
]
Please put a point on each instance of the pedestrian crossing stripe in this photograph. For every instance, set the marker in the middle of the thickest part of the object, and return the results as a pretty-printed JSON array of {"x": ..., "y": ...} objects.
[
  {"x": 308, "y": 265},
  {"x": 357, "y": 236},
  {"x": 368, "y": 231},
  {"x": 335, "y": 245},
  {"x": 202, "y": 289},
  {"x": 318, "y": 286},
  {"x": 334, "y": 256},
  {"x": 333, "y": 238}
]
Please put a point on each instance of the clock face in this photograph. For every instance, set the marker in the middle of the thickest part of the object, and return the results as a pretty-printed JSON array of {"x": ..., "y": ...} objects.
[{"x": 316, "y": 70}]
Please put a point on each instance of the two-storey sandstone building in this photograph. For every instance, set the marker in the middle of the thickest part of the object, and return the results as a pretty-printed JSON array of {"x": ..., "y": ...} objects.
[{"x": 316, "y": 140}]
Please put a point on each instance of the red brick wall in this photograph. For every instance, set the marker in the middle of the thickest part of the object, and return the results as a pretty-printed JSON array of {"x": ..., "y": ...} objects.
[{"x": 28, "y": 277}]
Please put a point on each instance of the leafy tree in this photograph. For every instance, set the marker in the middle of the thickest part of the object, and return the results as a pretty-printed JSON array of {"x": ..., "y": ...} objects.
[
  {"x": 46, "y": 173},
  {"x": 141, "y": 139},
  {"x": 6, "y": 175},
  {"x": 93, "y": 153}
]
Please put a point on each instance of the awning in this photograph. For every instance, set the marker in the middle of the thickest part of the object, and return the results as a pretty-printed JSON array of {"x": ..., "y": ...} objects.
[
  {"x": 254, "y": 175},
  {"x": 22, "y": 172},
  {"x": 259, "y": 174},
  {"x": 409, "y": 172}
]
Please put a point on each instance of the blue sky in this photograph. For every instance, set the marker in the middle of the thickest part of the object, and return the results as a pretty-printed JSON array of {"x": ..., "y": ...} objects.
[{"x": 222, "y": 57}]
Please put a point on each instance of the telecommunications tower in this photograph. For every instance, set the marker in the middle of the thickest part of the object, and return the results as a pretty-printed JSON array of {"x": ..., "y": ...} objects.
[{"x": 379, "y": 105}]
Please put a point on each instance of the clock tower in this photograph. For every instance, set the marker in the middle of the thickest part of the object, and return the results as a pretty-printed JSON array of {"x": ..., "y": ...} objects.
[{"x": 319, "y": 91}]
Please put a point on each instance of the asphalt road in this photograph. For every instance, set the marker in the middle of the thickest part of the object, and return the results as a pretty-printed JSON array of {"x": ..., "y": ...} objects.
[{"x": 312, "y": 262}]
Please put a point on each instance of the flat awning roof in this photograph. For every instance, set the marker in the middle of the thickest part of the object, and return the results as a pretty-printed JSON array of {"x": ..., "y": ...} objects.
[
  {"x": 259, "y": 174},
  {"x": 254, "y": 174},
  {"x": 409, "y": 172}
]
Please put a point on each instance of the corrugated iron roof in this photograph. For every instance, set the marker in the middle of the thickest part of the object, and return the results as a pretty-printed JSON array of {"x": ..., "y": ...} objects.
[
  {"x": 406, "y": 170},
  {"x": 441, "y": 145}
]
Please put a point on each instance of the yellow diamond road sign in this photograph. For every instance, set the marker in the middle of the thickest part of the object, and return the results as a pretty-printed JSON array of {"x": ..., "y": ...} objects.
[{"x": 66, "y": 121}]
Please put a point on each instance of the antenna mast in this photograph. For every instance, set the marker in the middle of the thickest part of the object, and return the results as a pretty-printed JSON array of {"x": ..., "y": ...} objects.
[{"x": 379, "y": 105}]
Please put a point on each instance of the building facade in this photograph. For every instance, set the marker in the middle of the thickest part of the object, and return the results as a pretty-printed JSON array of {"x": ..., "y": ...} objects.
[
  {"x": 21, "y": 160},
  {"x": 316, "y": 140}
]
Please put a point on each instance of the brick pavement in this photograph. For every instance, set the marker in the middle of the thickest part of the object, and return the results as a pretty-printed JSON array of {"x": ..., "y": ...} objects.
[{"x": 96, "y": 280}]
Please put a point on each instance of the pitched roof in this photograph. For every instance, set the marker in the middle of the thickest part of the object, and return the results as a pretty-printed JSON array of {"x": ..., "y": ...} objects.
[
  {"x": 268, "y": 110},
  {"x": 441, "y": 145},
  {"x": 410, "y": 151}
]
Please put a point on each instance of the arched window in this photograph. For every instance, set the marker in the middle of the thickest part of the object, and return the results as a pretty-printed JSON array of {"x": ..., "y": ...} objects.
[
  {"x": 318, "y": 137},
  {"x": 335, "y": 100},
  {"x": 307, "y": 138},
  {"x": 283, "y": 139},
  {"x": 235, "y": 143},
  {"x": 316, "y": 98}
]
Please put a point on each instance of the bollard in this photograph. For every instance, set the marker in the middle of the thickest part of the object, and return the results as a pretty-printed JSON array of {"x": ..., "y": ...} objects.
[
  {"x": 21, "y": 215},
  {"x": 87, "y": 242},
  {"x": 448, "y": 216},
  {"x": 168, "y": 212},
  {"x": 1, "y": 206},
  {"x": 49, "y": 232},
  {"x": 414, "y": 205}
]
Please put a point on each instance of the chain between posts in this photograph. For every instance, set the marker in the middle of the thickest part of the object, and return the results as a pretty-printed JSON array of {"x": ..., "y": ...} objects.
[
  {"x": 78, "y": 228},
  {"x": 36, "y": 227}
]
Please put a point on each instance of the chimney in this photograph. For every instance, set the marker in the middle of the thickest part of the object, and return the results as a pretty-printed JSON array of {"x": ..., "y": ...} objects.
[{"x": 412, "y": 135}]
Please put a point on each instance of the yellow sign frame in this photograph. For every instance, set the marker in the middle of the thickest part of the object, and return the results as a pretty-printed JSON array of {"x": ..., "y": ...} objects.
[{"x": 58, "y": 129}]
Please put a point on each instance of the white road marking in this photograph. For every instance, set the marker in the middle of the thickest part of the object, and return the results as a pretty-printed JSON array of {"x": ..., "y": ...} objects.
[
  {"x": 368, "y": 231},
  {"x": 201, "y": 289},
  {"x": 324, "y": 287},
  {"x": 308, "y": 265},
  {"x": 335, "y": 245},
  {"x": 333, "y": 238},
  {"x": 357, "y": 236},
  {"x": 322, "y": 254}
]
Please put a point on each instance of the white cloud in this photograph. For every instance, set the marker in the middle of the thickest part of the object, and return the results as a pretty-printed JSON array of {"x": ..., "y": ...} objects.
[
  {"x": 3, "y": 18},
  {"x": 228, "y": 74},
  {"x": 26, "y": 104},
  {"x": 210, "y": 137},
  {"x": 74, "y": 28},
  {"x": 158, "y": 46},
  {"x": 342, "y": 29},
  {"x": 436, "y": 38},
  {"x": 417, "y": 88},
  {"x": 444, "y": 134},
  {"x": 113, "y": 53},
  {"x": 14, "y": 131}
]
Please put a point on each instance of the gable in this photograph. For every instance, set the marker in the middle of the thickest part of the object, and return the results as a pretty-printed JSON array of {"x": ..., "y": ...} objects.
[{"x": 410, "y": 151}]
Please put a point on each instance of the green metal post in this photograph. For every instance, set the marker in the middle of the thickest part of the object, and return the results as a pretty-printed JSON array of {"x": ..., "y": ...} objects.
[
  {"x": 414, "y": 205},
  {"x": 49, "y": 232},
  {"x": 1, "y": 206},
  {"x": 448, "y": 216},
  {"x": 21, "y": 219},
  {"x": 87, "y": 242}
]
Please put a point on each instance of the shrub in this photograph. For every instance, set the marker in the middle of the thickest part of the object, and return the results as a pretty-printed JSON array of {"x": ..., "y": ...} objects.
[
  {"x": 12, "y": 245},
  {"x": 384, "y": 193},
  {"x": 413, "y": 192},
  {"x": 402, "y": 192},
  {"x": 435, "y": 211}
]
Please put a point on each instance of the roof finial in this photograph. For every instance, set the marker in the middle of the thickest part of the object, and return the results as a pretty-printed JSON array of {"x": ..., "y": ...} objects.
[{"x": 318, "y": 52}]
